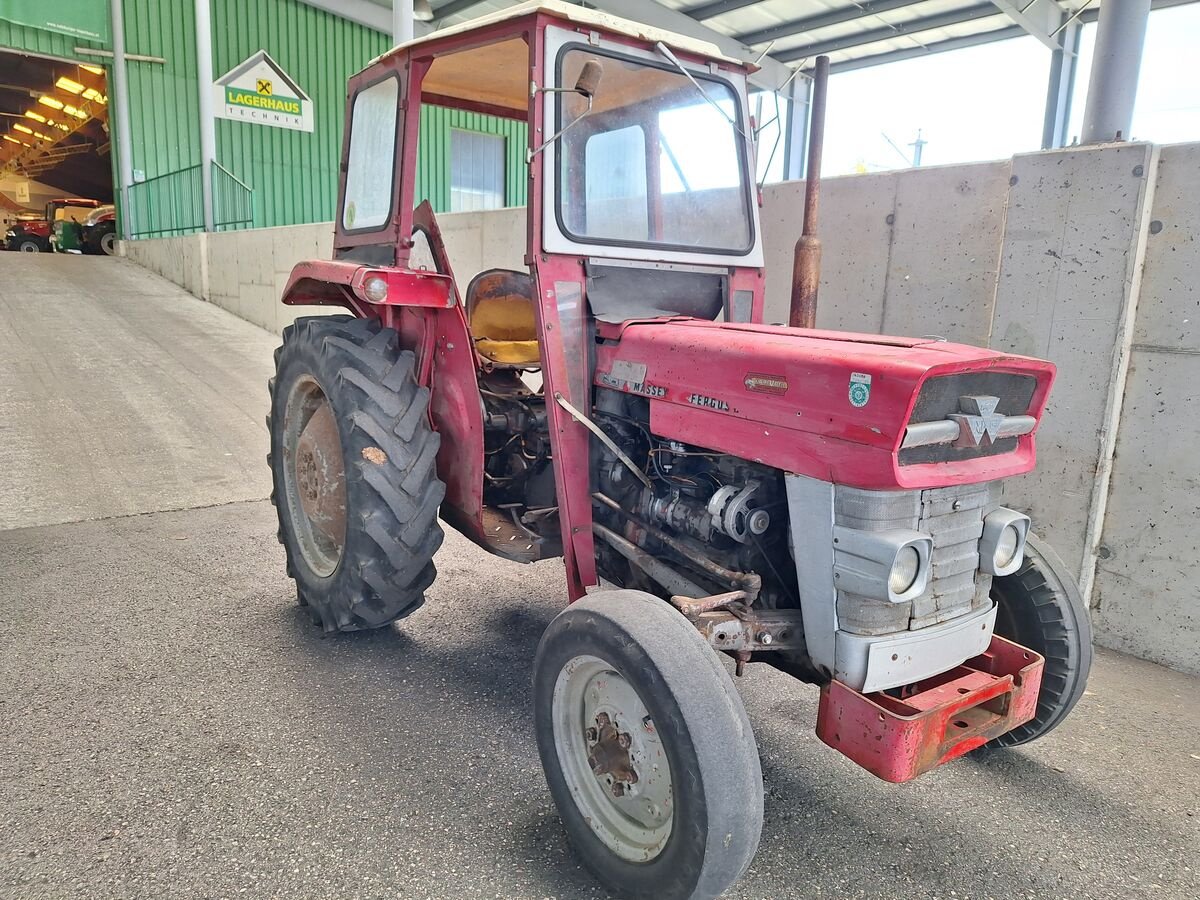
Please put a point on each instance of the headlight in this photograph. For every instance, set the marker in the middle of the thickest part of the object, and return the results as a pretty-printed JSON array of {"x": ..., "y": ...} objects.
[
  {"x": 905, "y": 570},
  {"x": 376, "y": 289},
  {"x": 892, "y": 566},
  {"x": 1002, "y": 547}
]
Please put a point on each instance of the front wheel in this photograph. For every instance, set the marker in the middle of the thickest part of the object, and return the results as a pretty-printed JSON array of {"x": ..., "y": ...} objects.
[
  {"x": 646, "y": 748},
  {"x": 108, "y": 243},
  {"x": 30, "y": 246},
  {"x": 1039, "y": 606}
]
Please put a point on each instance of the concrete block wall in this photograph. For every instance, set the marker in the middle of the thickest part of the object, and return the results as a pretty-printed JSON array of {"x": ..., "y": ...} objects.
[{"x": 1087, "y": 257}]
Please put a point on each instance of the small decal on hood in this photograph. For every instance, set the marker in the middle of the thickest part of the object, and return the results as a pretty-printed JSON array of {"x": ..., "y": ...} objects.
[
  {"x": 860, "y": 389},
  {"x": 766, "y": 384}
]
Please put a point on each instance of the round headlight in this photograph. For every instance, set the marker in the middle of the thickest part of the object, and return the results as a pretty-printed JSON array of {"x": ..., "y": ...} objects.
[
  {"x": 376, "y": 289},
  {"x": 905, "y": 570},
  {"x": 1006, "y": 547}
]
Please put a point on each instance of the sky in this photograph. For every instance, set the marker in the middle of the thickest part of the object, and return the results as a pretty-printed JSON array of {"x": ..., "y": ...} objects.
[{"x": 987, "y": 102}]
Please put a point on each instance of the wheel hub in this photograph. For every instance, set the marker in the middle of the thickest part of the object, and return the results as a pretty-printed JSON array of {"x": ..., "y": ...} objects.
[
  {"x": 613, "y": 759},
  {"x": 315, "y": 476},
  {"x": 610, "y": 754}
]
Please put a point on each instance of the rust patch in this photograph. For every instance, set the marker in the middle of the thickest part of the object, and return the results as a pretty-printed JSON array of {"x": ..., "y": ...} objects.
[{"x": 375, "y": 455}]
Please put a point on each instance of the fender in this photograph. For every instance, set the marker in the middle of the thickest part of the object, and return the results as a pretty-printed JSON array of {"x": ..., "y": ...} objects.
[{"x": 331, "y": 282}]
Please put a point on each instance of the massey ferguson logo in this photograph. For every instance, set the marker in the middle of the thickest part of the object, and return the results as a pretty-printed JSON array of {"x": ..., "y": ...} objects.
[
  {"x": 979, "y": 424},
  {"x": 708, "y": 402}
]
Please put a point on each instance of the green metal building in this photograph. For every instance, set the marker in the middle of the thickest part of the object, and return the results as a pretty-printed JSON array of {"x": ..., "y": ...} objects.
[{"x": 263, "y": 175}]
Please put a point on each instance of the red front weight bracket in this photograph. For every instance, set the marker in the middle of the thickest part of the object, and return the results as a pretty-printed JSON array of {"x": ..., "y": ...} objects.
[{"x": 900, "y": 733}]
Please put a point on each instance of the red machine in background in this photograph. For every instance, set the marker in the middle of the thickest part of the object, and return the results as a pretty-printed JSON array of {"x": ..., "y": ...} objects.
[{"x": 826, "y": 503}]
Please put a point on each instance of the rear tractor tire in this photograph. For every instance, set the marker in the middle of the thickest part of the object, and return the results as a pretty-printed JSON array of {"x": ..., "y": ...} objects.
[
  {"x": 646, "y": 748},
  {"x": 1039, "y": 606},
  {"x": 353, "y": 463}
]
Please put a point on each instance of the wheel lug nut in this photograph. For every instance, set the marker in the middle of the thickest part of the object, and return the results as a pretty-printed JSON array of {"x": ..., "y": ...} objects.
[
  {"x": 624, "y": 741},
  {"x": 591, "y": 735},
  {"x": 618, "y": 789}
]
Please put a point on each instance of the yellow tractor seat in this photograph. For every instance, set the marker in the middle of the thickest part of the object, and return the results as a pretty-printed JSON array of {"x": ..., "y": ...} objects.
[{"x": 503, "y": 326}]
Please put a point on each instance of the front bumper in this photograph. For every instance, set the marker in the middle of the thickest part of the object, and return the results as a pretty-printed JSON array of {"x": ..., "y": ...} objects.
[{"x": 897, "y": 735}]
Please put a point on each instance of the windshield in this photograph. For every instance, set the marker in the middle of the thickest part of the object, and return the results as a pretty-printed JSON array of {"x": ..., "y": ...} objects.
[{"x": 655, "y": 163}]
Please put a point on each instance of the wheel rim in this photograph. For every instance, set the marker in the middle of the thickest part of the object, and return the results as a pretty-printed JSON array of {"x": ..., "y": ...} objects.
[
  {"x": 613, "y": 759},
  {"x": 108, "y": 243},
  {"x": 314, "y": 476},
  {"x": 30, "y": 247}
]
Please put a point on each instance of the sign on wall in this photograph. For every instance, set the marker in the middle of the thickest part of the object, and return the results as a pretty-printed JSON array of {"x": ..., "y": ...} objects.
[
  {"x": 22, "y": 193},
  {"x": 260, "y": 92},
  {"x": 79, "y": 18}
]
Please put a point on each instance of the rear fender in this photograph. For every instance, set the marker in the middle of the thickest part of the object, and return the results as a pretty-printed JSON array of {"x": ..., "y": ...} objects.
[{"x": 342, "y": 283}]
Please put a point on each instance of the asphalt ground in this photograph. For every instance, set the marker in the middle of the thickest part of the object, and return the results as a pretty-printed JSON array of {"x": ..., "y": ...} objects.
[{"x": 172, "y": 725}]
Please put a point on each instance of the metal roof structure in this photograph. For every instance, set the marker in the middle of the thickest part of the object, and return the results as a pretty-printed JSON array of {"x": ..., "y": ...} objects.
[
  {"x": 784, "y": 37},
  {"x": 853, "y": 33}
]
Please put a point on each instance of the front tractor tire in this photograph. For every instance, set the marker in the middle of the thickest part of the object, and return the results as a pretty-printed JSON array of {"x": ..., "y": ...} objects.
[
  {"x": 353, "y": 463},
  {"x": 1039, "y": 606},
  {"x": 646, "y": 748}
]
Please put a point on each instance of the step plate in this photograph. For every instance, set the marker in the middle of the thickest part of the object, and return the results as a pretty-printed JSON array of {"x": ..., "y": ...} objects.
[{"x": 898, "y": 734}]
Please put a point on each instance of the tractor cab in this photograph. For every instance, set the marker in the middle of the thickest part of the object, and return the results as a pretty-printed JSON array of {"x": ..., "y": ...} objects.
[{"x": 641, "y": 206}]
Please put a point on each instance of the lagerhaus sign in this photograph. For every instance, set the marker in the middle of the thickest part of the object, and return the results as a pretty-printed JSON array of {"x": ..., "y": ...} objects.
[{"x": 260, "y": 92}]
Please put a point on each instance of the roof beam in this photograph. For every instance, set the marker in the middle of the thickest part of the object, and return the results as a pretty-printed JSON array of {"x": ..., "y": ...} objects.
[
  {"x": 719, "y": 8},
  {"x": 453, "y": 8},
  {"x": 959, "y": 43},
  {"x": 364, "y": 12},
  {"x": 1040, "y": 18},
  {"x": 823, "y": 20},
  {"x": 972, "y": 40},
  {"x": 900, "y": 29},
  {"x": 772, "y": 73}
]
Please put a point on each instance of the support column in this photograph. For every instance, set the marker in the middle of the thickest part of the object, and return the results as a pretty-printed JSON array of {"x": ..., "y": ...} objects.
[
  {"x": 402, "y": 21},
  {"x": 208, "y": 128},
  {"x": 795, "y": 147},
  {"x": 1064, "y": 63},
  {"x": 1112, "y": 90},
  {"x": 120, "y": 111}
]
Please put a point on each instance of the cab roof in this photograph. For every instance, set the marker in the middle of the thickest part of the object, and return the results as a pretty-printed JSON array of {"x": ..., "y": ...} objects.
[{"x": 577, "y": 15}]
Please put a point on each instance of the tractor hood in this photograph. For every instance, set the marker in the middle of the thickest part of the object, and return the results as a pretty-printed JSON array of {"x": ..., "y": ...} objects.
[{"x": 832, "y": 405}]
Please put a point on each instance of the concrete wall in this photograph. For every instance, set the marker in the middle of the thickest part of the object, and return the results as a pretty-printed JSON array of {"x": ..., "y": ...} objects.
[
  {"x": 1146, "y": 599},
  {"x": 1087, "y": 257}
]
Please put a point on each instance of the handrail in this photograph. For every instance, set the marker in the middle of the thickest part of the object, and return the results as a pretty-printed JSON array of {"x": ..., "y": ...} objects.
[{"x": 172, "y": 204}]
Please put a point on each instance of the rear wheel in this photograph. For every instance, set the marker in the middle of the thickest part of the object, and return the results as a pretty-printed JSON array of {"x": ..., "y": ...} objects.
[
  {"x": 646, "y": 748},
  {"x": 1039, "y": 606},
  {"x": 353, "y": 463},
  {"x": 29, "y": 246}
]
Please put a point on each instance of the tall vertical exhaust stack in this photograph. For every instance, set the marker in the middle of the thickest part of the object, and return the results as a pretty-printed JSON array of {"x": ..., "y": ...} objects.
[{"x": 806, "y": 265}]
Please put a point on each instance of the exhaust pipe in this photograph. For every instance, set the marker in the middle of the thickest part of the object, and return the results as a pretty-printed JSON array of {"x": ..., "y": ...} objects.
[{"x": 806, "y": 264}]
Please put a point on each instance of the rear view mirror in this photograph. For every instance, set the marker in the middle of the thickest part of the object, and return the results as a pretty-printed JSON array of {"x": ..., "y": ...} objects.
[
  {"x": 589, "y": 79},
  {"x": 585, "y": 85}
]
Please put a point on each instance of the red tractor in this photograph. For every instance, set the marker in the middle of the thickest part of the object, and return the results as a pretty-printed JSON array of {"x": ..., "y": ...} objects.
[
  {"x": 826, "y": 503},
  {"x": 33, "y": 236}
]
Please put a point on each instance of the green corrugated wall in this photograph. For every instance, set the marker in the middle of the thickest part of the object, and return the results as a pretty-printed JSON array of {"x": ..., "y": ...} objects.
[
  {"x": 163, "y": 99},
  {"x": 293, "y": 174},
  {"x": 433, "y": 153},
  {"x": 47, "y": 43}
]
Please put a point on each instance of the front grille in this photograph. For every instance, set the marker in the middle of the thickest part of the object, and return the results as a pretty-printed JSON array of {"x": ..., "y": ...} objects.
[
  {"x": 953, "y": 517},
  {"x": 939, "y": 399}
]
